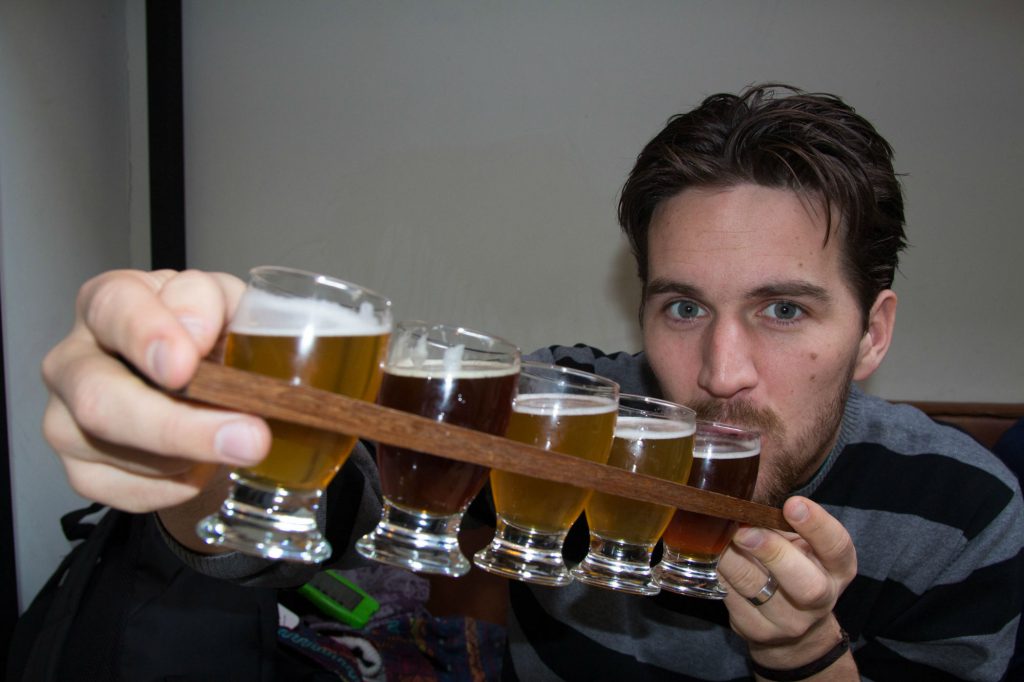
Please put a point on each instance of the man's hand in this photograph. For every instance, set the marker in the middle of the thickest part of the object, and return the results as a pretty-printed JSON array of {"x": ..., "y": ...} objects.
[
  {"x": 123, "y": 442},
  {"x": 812, "y": 566}
]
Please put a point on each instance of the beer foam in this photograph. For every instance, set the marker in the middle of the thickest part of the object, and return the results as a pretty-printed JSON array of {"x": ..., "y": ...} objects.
[
  {"x": 467, "y": 369},
  {"x": 724, "y": 451},
  {"x": 547, "y": 404},
  {"x": 650, "y": 428},
  {"x": 418, "y": 352},
  {"x": 266, "y": 314},
  {"x": 453, "y": 357}
]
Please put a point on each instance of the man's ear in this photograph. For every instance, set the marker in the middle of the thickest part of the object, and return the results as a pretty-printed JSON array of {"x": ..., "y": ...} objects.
[{"x": 875, "y": 342}]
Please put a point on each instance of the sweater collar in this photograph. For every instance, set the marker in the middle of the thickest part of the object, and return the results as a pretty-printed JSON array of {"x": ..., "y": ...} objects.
[{"x": 847, "y": 428}]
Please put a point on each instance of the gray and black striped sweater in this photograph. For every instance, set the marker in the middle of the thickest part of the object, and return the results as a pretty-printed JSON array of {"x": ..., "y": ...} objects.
[{"x": 938, "y": 524}]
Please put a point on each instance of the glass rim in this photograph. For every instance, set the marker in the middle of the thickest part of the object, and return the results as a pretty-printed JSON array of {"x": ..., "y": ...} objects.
[
  {"x": 747, "y": 439},
  {"x": 597, "y": 383},
  {"x": 410, "y": 325},
  {"x": 624, "y": 398},
  {"x": 381, "y": 303},
  {"x": 730, "y": 429}
]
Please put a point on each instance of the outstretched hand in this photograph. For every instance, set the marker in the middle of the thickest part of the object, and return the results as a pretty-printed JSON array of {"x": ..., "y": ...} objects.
[
  {"x": 123, "y": 442},
  {"x": 812, "y": 566}
]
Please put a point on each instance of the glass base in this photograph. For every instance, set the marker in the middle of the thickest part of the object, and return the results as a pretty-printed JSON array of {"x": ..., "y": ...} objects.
[
  {"x": 683, "y": 575},
  {"x": 528, "y": 555},
  {"x": 418, "y": 541},
  {"x": 273, "y": 523},
  {"x": 617, "y": 565}
]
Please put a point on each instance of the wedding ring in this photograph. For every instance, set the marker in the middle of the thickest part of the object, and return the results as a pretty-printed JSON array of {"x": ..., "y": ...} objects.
[{"x": 766, "y": 592}]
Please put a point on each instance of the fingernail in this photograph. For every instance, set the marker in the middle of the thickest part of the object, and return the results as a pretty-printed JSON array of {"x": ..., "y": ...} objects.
[
  {"x": 798, "y": 511},
  {"x": 749, "y": 538},
  {"x": 237, "y": 443},
  {"x": 158, "y": 360}
]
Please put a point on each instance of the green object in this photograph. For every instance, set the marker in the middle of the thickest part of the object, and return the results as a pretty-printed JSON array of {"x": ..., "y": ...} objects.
[{"x": 340, "y": 598}]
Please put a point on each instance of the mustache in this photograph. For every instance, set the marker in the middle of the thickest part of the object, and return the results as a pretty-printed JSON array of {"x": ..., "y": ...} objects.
[{"x": 738, "y": 413}]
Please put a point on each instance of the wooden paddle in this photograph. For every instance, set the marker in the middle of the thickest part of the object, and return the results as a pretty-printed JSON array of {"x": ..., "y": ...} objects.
[{"x": 266, "y": 397}]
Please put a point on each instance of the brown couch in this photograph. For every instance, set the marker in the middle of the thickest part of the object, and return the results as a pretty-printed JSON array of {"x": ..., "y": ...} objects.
[{"x": 985, "y": 421}]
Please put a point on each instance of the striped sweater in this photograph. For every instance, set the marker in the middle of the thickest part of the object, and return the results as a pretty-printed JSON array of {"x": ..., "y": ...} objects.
[{"x": 938, "y": 524}]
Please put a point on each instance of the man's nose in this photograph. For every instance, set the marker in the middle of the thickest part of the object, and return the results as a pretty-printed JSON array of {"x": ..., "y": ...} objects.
[{"x": 727, "y": 362}]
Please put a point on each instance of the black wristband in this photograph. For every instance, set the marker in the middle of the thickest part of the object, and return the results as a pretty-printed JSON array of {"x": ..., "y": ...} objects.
[{"x": 805, "y": 671}]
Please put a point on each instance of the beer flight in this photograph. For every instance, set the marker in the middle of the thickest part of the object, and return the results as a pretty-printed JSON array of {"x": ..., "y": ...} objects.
[{"x": 317, "y": 331}]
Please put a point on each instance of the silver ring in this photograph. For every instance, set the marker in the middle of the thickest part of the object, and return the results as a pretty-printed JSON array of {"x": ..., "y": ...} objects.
[{"x": 766, "y": 592}]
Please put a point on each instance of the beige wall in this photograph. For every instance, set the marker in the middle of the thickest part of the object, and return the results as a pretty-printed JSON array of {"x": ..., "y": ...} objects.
[
  {"x": 65, "y": 195},
  {"x": 465, "y": 158}
]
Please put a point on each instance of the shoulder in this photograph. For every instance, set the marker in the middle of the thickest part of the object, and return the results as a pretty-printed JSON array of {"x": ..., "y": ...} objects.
[
  {"x": 905, "y": 430},
  {"x": 630, "y": 370},
  {"x": 920, "y": 492},
  {"x": 897, "y": 460},
  {"x": 936, "y": 519}
]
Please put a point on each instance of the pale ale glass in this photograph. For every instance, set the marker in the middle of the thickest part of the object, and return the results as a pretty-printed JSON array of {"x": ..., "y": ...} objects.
[
  {"x": 562, "y": 410},
  {"x": 652, "y": 437},
  {"x": 310, "y": 330},
  {"x": 725, "y": 460},
  {"x": 451, "y": 375}
]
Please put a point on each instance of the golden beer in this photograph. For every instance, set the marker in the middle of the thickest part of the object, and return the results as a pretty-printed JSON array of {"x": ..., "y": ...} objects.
[
  {"x": 309, "y": 330},
  {"x": 343, "y": 357},
  {"x": 643, "y": 445},
  {"x": 577, "y": 425}
]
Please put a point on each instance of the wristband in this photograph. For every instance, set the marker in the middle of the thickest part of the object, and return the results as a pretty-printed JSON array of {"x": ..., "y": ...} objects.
[{"x": 805, "y": 671}]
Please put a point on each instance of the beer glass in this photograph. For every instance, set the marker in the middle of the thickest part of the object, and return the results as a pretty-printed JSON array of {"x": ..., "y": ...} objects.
[
  {"x": 452, "y": 375},
  {"x": 652, "y": 437},
  {"x": 310, "y": 330},
  {"x": 725, "y": 460},
  {"x": 557, "y": 409}
]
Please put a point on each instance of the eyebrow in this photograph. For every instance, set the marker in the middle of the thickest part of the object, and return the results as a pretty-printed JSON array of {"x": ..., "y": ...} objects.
[
  {"x": 657, "y": 287},
  {"x": 796, "y": 288}
]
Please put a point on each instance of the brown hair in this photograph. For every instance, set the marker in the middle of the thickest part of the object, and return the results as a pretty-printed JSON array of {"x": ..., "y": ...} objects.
[{"x": 813, "y": 144}]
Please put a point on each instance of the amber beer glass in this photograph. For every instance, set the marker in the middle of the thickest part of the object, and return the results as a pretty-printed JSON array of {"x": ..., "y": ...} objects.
[
  {"x": 562, "y": 410},
  {"x": 652, "y": 437},
  {"x": 725, "y": 460},
  {"x": 310, "y": 330},
  {"x": 454, "y": 376}
]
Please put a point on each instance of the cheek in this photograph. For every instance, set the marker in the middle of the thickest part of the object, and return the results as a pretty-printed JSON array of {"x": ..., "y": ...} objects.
[
  {"x": 824, "y": 370},
  {"x": 674, "y": 363}
]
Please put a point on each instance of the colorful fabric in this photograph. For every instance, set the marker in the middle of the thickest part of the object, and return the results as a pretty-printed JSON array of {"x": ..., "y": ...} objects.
[{"x": 407, "y": 649}]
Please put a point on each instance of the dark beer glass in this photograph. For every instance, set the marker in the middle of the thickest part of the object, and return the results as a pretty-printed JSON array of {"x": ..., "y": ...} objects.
[
  {"x": 558, "y": 409},
  {"x": 652, "y": 437},
  {"x": 452, "y": 375},
  {"x": 725, "y": 460},
  {"x": 310, "y": 330}
]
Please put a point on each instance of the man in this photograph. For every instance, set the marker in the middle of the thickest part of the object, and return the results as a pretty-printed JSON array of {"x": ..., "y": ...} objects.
[{"x": 767, "y": 231}]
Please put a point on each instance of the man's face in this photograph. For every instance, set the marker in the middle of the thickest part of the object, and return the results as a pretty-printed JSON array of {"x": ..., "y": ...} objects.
[{"x": 749, "y": 320}]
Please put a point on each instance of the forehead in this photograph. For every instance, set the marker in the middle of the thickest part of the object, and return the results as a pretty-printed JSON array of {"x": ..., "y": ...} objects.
[{"x": 744, "y": 234}]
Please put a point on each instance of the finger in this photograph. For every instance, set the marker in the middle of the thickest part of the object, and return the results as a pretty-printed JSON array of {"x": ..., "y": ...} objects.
[
  {"x": 125, "y": 313},
  {"x": 799, "y": 576},
  {"x": 824, "y": 536},
  {"x": 810, "y": 580},
  {"x": 203, "y": 303},
  {"x": 740, "y": 571},
  {"x": 120, "y": 489},
  {"x": 100, "y": 408}
]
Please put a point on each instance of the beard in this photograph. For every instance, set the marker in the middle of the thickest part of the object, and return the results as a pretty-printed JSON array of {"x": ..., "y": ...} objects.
[{"x": 786, "y": 461}]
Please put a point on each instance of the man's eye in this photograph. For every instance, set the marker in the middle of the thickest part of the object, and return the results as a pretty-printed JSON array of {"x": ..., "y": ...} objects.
[
  {"x": 784, "y": 310},
  {"x": 685, "y": 310}
]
